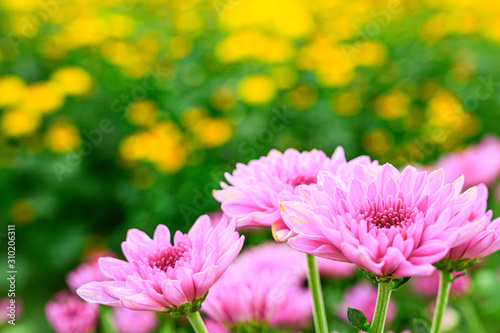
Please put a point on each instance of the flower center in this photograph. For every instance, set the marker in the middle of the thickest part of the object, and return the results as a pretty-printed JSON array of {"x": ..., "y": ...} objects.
[
  {"x": 168, "y": 257},
  {"x": 302, "y": 180},
  {"x": 386, "y": 217}
]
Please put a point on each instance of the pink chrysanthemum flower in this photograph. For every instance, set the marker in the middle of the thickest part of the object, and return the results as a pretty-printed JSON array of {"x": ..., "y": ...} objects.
[
  {"x": 87, "y": 272},
  {"x": 161, "y": 276},
  {"x": 67, "y": 313},
  {"x": 471, "y": 163},
  {"x": 263, "y": 286},
  {"x": 429, "y": 285},
  {"x": 387, "y": 222},
  {"x": 128, "y": 321},
  {"x": 363, "y": 296},
  {"x": 255, "y": 190},
  {"x": 484, "y": 241}
]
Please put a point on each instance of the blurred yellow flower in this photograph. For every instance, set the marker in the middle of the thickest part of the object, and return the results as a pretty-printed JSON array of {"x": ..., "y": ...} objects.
[
  {"x": 18, "y": 122},
  {"x": 445, "y": 110},
  {"x": 189, "y": 22},
  {"x": 369, "y": 53},
  {"x": 212, "y": 132},
  {"x": 62, "y": 138},
  {"x": 73, "y": 80},
  {"x": 44, "y": 97},
  {"x": 22, "y": 211},
  {"x": 284, "y": 76},
  {"x": 172, "y": 159},
  {"x": 17, "y": 5},
  {"x": 257, "y": 89},
  {"x": 86, "y": 30},
  {"x": 192, "y": 116},
  {"x": 12, "y": 90},
  {"x": 179, "y": 47},
  {"x": 392, "y": 105},
  {"x": 378, "y": 141},
  {"x": 303, "y": 97},
  {"x": 346, "y": 103},
  {"x": 223, "y": 98},
  {"x": 131, "y": 148},
  {"x": 120, "y": 26},
  {"x": 289, "y": 18},
  {"x": 143, "y": 112}
]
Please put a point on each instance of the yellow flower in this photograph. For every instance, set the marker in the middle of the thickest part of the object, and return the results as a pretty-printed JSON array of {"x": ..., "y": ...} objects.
[
  {"x": 22, "y": 211},
  {"x": 24, "y": 5},
  {"x": 369, "y": 53},
  {"x": 189, "y": 22},
  {"x": 192, "y": 116},
  {"x": 303, "y": 97},
  {"x": 18, "y": 122},
  {"x": 120, "y": 26},
  {"x": 284, "y": 77},
  {"x": 179, "y": 47},
  {"x": 223, "y": 98},
  {"x": 172, "y": 159},
  {"x": 392, "y": 105},
  {"x": 62, "y": 138},
  {"x": 132, "y": 148},
  {"x": 87, "y": 30},
  {"x": 12, "y": 90},
  {"x": 257, "y": 89},
  {"x": 44, "y": 97},
  {"x": 73, "y": 80},
  {"x": 213, "y": 132},
  {"x": 347, "y": 103},
  {"x": 143, "y": 112},
  {"x": 378, "y": 141}
]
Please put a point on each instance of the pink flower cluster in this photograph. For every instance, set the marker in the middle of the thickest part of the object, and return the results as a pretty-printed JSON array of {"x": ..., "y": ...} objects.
[
  {"x": 387, "y": 222},
  {"x": 256, "y": 190}
]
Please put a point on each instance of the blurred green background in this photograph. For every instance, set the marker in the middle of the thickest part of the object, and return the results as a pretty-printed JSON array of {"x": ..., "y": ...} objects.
[{"x": 117, "y": 114}]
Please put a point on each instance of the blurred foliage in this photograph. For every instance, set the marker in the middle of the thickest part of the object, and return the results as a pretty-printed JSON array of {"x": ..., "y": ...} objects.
[{"x": 117, "y": 114}]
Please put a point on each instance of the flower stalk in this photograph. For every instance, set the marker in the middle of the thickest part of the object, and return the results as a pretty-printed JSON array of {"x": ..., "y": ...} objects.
[
  {"x": 445, "y": 279},
  {"x": 383, "y": 297},
  {"x": 314, "y": 281},
  {"x": 196, "y": 322}
]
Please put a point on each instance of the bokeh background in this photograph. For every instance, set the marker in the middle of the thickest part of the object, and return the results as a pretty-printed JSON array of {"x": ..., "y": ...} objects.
[{"x": 122, "y": 113}]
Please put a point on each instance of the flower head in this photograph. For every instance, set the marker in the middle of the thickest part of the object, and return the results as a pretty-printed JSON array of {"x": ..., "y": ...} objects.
[
  {"x": 255, "y": 190},
  {"x": 128, "y": 321},
  {"x": 486, "y": 236},
  {"x": 263, "y": 286},
  {"x": 161, "y": 276},
  {"x": 363, "y": 296},
  {"x": 87, "y": 272},
  {"x": 387, "y": 222},
  {"x": 67, "y": 313},
  {"x": 478, "y": 164}
]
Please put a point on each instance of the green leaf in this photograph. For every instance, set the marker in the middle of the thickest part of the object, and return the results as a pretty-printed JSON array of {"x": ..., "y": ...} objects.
[
  {"x": 421, "y": 326},
  {"x": 358, "y": 319},
  {"x": 398, "y": 283}
]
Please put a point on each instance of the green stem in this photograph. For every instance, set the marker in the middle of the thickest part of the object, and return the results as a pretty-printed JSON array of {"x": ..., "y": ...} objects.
[
  {"x": 441, "y": 301},
  {"x": 197, "y": 323},
  {"x": 314, "y": 282},
  {"x": 383, "y": 297},
  {"x": 471, "y": 316}
]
